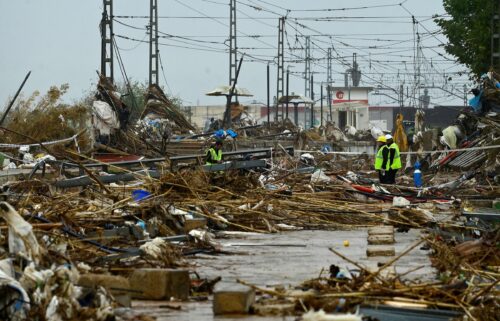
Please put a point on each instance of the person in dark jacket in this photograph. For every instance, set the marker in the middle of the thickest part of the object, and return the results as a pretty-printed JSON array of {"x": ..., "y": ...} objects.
[
  {"x": 381, "y": 159},
  {"x": 394, "y": 160}
]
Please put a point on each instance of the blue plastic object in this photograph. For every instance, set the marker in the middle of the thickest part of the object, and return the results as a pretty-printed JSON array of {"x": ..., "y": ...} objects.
[
  {"x": 417, "y": 175},
  {"x": 475, "y": 102},
  {"x": 231, "y": 133},
  {"x": 140, "y": 194},
  {"x": 141, "y": 224},
  {"x": 326, "y": 148},
  {"x": 221, "y": 134}
]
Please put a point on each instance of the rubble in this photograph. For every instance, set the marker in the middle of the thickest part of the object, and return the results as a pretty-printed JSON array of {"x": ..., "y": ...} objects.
[{"x": 83, "y": 235}]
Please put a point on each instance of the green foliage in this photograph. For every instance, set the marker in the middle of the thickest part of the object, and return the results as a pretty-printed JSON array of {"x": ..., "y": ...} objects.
[
  {"x": 136, "y": 101},
  {"x": 469, "y": 32},
  {"x": 46, "y": 118}
]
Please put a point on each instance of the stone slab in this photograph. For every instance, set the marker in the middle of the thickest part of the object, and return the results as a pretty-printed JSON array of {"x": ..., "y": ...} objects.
[
  {"x": 381, "y": 239},
  {"x": 379, "y": 230},
  {"x": 380, "y": 250},
  {"x": 160, "y": 284},
  {"x": 233, "y": 299},
  {"x": 117, "y": 285}
]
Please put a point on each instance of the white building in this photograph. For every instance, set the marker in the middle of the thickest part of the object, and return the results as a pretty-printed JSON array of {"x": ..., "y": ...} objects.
[{"x": 350, "y": 106}]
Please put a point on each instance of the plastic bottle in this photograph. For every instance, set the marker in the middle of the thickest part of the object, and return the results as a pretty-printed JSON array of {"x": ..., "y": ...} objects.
[{"x": 417, "y": 175}]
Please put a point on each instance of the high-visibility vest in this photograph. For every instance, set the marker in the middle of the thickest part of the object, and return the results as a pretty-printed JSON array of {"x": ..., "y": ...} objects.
[
  {"x": 379, "y": 159},
  {"x": 396, "y": 163},
  {"x": 215, "y": 155}
]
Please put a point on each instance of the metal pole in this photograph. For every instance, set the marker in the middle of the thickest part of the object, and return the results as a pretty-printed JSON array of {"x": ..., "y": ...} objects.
[
  {"x": 329, "y": 96},
  {"x": 227, "y": 116},
  {"x": 321, "y": 94},
  {"x": 312, "y": 98},
  {"x": 153, "y": 42},
  {"x": 287, "y": 90},
  {"x": 14, "y": 99},
  {"x": 296, "y": 113},
  {"x": 106, "y": 40},
  {"x": 268, "y": 98},
  {"x": 281, "y": 64}
]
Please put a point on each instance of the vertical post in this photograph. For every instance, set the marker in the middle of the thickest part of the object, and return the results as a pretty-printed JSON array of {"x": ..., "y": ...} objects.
[
  {"x": 107, "y": 61},
  {"x": 281, "y": 63},
  {"x": 329, "y": 82},
  {"x": 287, "y": 90},
  {"x": 233, "y": 49},
  {"x": 296, "y": 113},
  {"x": 465, "y": 95},
  {"x": 329, "y": 97},
  {"x": 312, "y": 98},
  {"x": 268, "y": 98},
  {"x": 401, "y": 97},
  {"x": 307, "y": 72},
  {"x": 153, "y": 42},
  {"x": 321, "y": 106}
]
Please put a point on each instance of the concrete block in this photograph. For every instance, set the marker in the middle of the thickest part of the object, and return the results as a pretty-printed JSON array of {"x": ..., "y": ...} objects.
[
  {"x": 194, "y": 223},
  {"x": 378, "y": 230},
  {"x": 117, "y": 285},
  {"x": 233, "y": 299},
  {"x": 380, "y": 250},
  {"x": 160, "y": 284},
  {"x": 381, "y": 239}
]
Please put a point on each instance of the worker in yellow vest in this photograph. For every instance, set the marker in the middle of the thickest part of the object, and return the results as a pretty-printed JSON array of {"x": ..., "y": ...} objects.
[
  {"x": 214, "y": 154},
  {"x": 382, "y": 159},
  {"x": 394, "y": 160}
]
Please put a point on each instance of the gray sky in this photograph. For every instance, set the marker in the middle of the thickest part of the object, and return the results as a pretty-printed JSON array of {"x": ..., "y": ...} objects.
[{"x": 59, "y": 40}]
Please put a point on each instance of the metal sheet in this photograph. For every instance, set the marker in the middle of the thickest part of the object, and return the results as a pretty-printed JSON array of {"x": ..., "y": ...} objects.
[{"x": 234, "y": 165}]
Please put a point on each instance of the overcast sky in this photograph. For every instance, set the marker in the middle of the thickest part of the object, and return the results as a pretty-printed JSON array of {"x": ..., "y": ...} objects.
[{"x": 59, "y": 40}]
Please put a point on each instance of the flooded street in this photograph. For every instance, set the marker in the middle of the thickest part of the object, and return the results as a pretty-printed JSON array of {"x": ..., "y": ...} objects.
[{"x": 285, "y": 259}]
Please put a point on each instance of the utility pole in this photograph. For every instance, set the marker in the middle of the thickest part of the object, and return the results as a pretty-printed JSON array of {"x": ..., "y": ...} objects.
[
  {"x": 287, "y": 90},
  {"x": 107, "y": 67},
  {"x": 495, "y": 39},
  {"x": 321, "y": 105},
  {"x": 307, "y": 73},
  {"x": 329, "y": 81},
  {"x": 233, "y": 50},
  {"x": 268, "y": 98},
  {"x": 153, "y": 43},
  {"x": 281, "y": 64},
  {"x": 312, "y": 98}
]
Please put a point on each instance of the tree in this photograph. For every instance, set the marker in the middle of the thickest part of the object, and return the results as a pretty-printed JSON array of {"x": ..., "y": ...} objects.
[{"x": 469, "y": 32}]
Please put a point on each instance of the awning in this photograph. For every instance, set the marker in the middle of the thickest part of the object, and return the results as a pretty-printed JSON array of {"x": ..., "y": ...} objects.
[{"x": 224, "y": 91}]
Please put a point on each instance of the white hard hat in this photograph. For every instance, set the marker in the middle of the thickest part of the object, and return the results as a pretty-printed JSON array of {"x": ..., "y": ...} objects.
[{"x": 388, "y": 136}]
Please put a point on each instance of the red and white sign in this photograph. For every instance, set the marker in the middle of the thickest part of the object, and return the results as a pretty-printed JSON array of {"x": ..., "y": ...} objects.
[{"x": 339, "y": 94}]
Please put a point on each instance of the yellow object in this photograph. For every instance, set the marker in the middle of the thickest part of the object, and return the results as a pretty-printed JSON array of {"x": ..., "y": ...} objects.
[
  {"x": 382, "y": 139},
  {"x": 346, "y": 243},
  {"x": 379, "y": 159},
  {"x": 400, "y": 136}
]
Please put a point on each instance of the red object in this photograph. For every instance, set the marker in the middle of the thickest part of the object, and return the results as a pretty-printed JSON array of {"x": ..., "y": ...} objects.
[
  {"x": 109, "y": 158},
  {"x": 363, "y": 188}
]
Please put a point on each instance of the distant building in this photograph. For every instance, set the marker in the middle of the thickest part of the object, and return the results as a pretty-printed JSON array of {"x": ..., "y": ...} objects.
[
  {"x": 438, "y": 116},
  {"x": 350, "y": 106}
]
